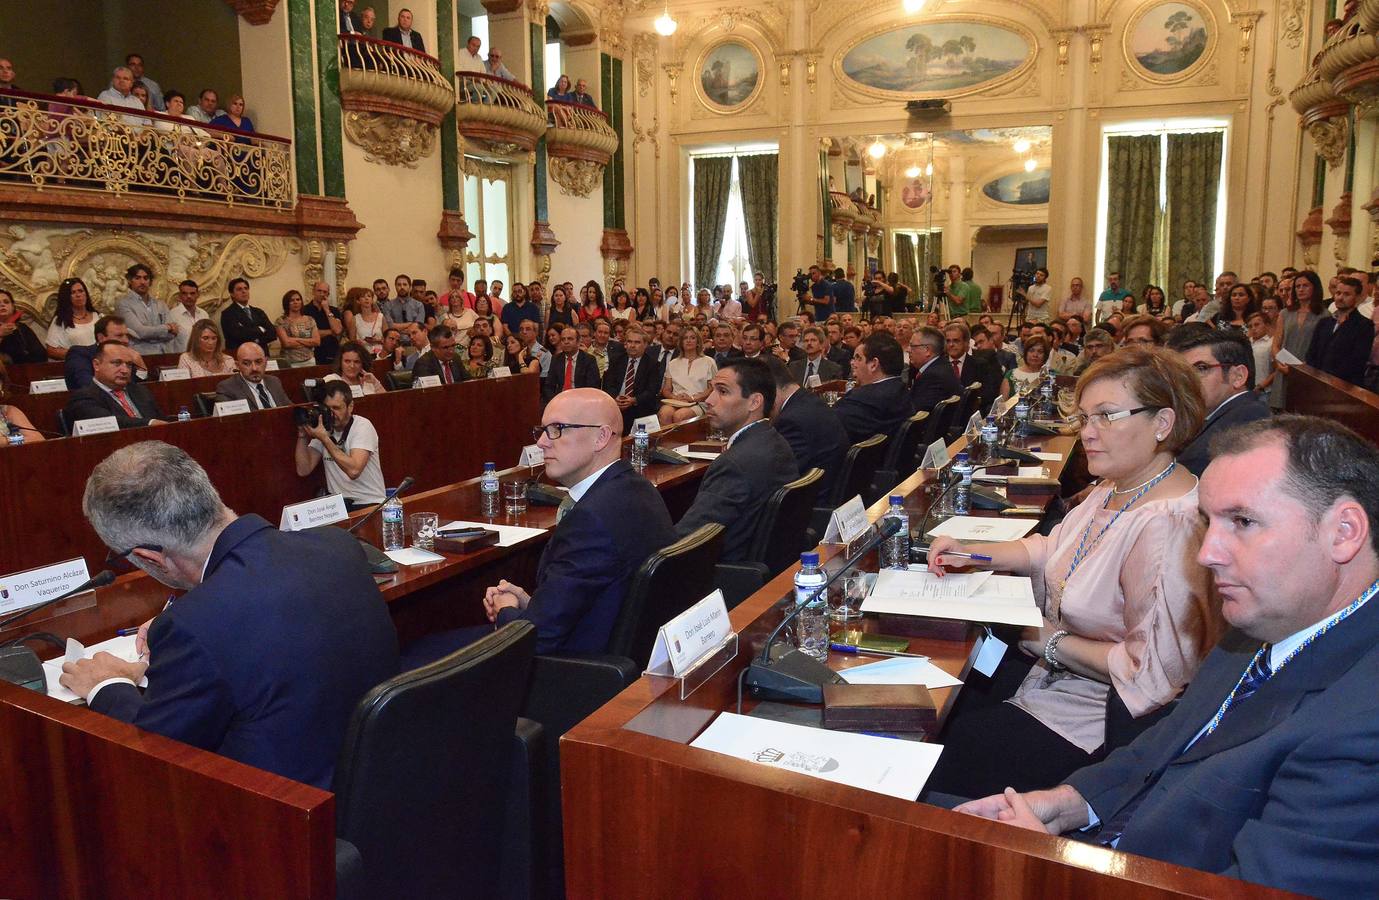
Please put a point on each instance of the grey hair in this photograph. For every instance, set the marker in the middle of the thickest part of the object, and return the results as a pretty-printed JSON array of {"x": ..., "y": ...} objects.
[
  {"x": 118, "y": 69},
  {"x": 151, "y": 493}
]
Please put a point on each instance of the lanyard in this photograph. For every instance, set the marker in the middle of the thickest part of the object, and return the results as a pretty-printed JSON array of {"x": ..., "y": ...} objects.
[{"x": 1083, "y": 548}]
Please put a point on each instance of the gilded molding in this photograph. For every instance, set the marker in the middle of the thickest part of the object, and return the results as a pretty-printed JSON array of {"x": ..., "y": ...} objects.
[
  {"x": 647, "y": 135},
  {"x": 576, "y": 177},
  {"x": 1331, "y": 137},
  {"x": 391, "y": 140},
  {"x": 644, "y": 52}
]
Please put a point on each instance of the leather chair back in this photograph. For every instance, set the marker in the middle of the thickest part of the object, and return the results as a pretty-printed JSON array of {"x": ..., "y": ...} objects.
[
  {"x": 902, "y": 451},
  {"x": 204, "y": 401},
  {"x": 859, "y": 470},
  {"x": 668, "y": 583},
  {"x": 422, "y": 780},
  {"x": 397, "y": 380},
  {"x": 941, "y": 419},
  {"x": 781, "y": 533},
  {"x": 970, "y": 402}
]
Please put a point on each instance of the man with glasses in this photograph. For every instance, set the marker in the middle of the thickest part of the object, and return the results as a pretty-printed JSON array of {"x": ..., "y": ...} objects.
[
  {"x": 931, "y": 382},
  {"x": 349, "y": 446},
  {"x": 114, "y": 392},
  {"x": 1099, "y": 343},
  {"x": 612, "y": 520},
  {"x": 1224, "y": 363}
]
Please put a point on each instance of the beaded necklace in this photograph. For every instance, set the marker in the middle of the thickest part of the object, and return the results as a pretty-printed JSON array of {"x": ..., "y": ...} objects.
[
  {"x": 1085, "y": 549},
  {"x": 1326, "y": 626}
]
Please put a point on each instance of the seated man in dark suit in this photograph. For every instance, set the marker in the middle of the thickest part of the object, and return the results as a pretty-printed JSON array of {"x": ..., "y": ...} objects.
[
  {"x": 114, "y": 392},
  {"x": 723, "y": 349},
  {"x": 972, "y": 366},
  {"x": 815, "y": 362},
  {"x": 1224, "y": 363},
  {"x": 276, "y": 639},
  {"x": 440, "y": 359},
  {"x": 634, "y": 379},
  {"x": 755, "y": 463},
  {"x": 570, "y": 368},
  {"x": 814, "y": 434},
  {"x": 931, "y": 380},
  {"x": 880, "y": 402},
  {"x": 403, "y": 33},
  {"x": 253, "y": 383},
  {"x": 77, "y": 365},
  {"x": 1264, "y": 771}
]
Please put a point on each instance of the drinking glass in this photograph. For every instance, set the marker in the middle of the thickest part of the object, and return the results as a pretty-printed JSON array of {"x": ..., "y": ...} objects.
[
  {"x": 424, "y": 526},
  {"x": 515, "y": 497},
  {"x": 850, "y": 600}
]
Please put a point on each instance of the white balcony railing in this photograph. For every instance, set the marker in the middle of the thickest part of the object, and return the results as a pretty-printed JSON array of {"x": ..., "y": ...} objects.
[
  {"x": 380, "y": 76},
  {"x": 499, "y": 113}
]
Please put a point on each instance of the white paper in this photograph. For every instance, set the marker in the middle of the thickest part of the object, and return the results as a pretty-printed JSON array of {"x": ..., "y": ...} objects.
[
  {"x": 101, "y": 425},
  {"x": 427, "y": 381},
  {"x": 123, "y": 647},
  {"x": 976, "y": 528},
  {"x": 1047, "y": 457},
  {"x": 356, "y": 390},
  {"x": 230, "y": 408},
  {"x": 532, "y": 455},
  {"x": 48, "y": 386},
  {"x": 884, "y": 765},
  {"x": 652, "y": 423},
  {"x": 901, "y": 670},
  {"x": 271, "y": 365},
  {"x": 413, "y": 556},
  {"x": 989, "y": 654},
  {"x": 935, "y": 455},
  {"x": 174, "y": 374},
  {"x": 20, "y": 590},
  {"x": 686, "y": 639},
  {"x": 500, "y": 372},
  {"x": 1007, "y": 599},
  {"x": 507, "y": 534},
  {"x": 847, "y": 523},
  {"x": 896, "y": 586},
  {"x": 1288, "y": 359},
  {"x": 686, "y": 452}
]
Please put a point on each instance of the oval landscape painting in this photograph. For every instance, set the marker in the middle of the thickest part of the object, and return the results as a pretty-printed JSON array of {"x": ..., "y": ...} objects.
[
  {"x": 1020, "y": 188},
  {"x": 1168, "y": 38},
  {"x": 936, "y": 57},
  {"x": 729, "y": 74}
]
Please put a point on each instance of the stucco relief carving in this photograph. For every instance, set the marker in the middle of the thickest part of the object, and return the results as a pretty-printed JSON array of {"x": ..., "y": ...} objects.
[
  {"x": 1331, "y": 138},
  {"x": 576, "y": 177},
  {"x": 1293, "y": 19},
  {"x": 391, "y": 140},
  {"x": 644, "y": 52}
]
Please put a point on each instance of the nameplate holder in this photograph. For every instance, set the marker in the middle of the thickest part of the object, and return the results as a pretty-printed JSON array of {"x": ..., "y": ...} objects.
[
  {"x": 652, "y": 423},
  {"x": 95, "y": 426},
  {"x": 314, "y": 512},
  {"x": 694, "y": 645},
  {"x": 356, "y": 390},
  {"x": 813, "y": 381},
  {"x": 48, "y": 386},
  {"x": 230, "y": 408},
  {"x": 935, "y": 455},
  {"x": 974, "y": 424},
  {"x": 34, "y": 586},
  {"x": 847, "y": 523},
  {"x": 174, "y": 374},
  {"x": 427, "y": 381},
  {"x": 500, "y": 372},
  {"x": 271, "y": 365},
  {"x": 532, "y": 455}
]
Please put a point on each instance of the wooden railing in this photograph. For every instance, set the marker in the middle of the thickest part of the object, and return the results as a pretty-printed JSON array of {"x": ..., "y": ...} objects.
[
  {"x": 498, "y": 112},
  {"x": 71, "y": 143},
  {"x": 577, "y": 131},
  {"x": 380, "y": 76}
]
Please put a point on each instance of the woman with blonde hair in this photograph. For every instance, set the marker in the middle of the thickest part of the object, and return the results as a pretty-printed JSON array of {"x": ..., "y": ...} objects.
[
  {"x": 205, "y": 354},
  {"x": 686, "y": 380},
  {"x": 364, "y": 321}
]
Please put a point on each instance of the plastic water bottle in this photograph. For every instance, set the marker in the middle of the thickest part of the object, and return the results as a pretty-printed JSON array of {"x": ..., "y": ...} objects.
[
  {"x": 895, "y": 550},
  {"x": 1046, "y": 392},
  {"x": 811, "y": 633},
  {"x": 488, "y": 489},
  {"x": 15, "y": 436},
  {"x": 641, "y": 447},
  {"x": 991, "y": 437},
  {"x": 1022, "y": 415},
  {"x": 962, "y": 494},
  {"x": 851, "y": 383},
  {"x": 184, "y": 414},
  {"x": 394, "y": 531}
]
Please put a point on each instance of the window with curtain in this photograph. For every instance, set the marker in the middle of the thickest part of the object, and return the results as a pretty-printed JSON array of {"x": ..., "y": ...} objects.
[
  {"x": 728, "y": 240},
  {"x": 487, "y": 209}
]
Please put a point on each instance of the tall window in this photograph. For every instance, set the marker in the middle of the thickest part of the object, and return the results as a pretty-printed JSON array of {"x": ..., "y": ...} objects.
[
  {"x": 734, "y": 264},
  {"x": 478, "y": 27},
  {"x": 553, "y": 63},
  {"x": 487, "y": 201}
]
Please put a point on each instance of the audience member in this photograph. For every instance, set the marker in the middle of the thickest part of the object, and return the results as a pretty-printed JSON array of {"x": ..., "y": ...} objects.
[
  {"x": 151, "y": 328},
  {"x": 17, "y": 340},
  {"x": 560, "y": 91},
  {"x": 570, "y": 368},
  {"x": 634, "y": 380},
  {"x": 1224, "y": 364},
  {"x": 1030, "y": 372},
  {"x": 352, "y": 367},
  {"x": 973, "y": 367},
  {"x": 815, "y": 435},
  {"x": 252, "y": 383},
  {"x": 519, "y": 360},
  {"x": 688, "y": 377},
  {"x": 1342, "y": 343},
  {"x": 77, "y": 364},
  {"x": 114, "y": 392},
  {"x": 12, "y": 418},
  {"x": 1304, "y": 306},
  {"x": 234, "y": 118},
  {"x": 184, "y": 313},
  {"x": 495, "y": 65},
  {"x": 468, "y": 59},
  {"x": 349, "y": 19},
  {"x": 297, "y": 334},
  {"x": 120, "y": 93},
  {"x": 403, "y": 34},
  {"x": 812, "y": 363},
  {"x": 1142, "y": 331},
  {"x": 205, "y": 354},
  {"x": 349, "y": 446},
  {"x": 364, "y": 320},
  {"x": 207, "y": 107},
  {"x": 74, "y": 323},
  {"x": 404, "y": 307},
  {"x": 135, "y": 62},
  {"x": 581, "y": 93},
  {"x": 931, "y": 380},
  {"x": 330, "y": 324},
  {"x": 880, "y": 402},
  {"x": 241, "y": 322},
  {"x": 478, "y": 361}
]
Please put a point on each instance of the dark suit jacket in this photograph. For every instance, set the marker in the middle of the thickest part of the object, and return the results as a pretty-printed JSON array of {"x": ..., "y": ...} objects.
[
  {"x": 352, "y": 19},
  {"x": 394, "y": 35},
  {"x": 828, "y": 369},
  {"x": 582, "y": 578},
  {"x": 815, "y": 435},
  {"x": 92, "y": 402},
  {"x": 248, "y": 323},
  {"x": 1240, "y": 409},
  {"x": 876, "y": 408},
  {"x": 843, "y": 357},
  {"x": 427, "y": 364},
  {"x": 981, "y": 366},
  {"x": 1342, "y": 351},
  {"x": 586, "y": 375},
  {"x": 646, "y": 386},
  {"x": 737, "y": 485},
  {"x": 1283, "y": 793},
  {"x": 265, "y": 660},
  {"x": 76, "y": 367},
  {"x": 720, "y": 357},
  {"x": 935, "y": 385},
  {"x": 23, "y": 346},
  {"x": 237, "y": 388}
]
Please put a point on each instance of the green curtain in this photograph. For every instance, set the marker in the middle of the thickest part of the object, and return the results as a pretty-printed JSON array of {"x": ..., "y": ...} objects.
[
  {"x": 906, "y": 265},
  {"x": 760, "y": 179},
  {"x": 1132, "y": 208},
  {"x": 1194, "y": 175},
  {"x": 713, "y": 177},
  {"x": 931, "y": 255}
]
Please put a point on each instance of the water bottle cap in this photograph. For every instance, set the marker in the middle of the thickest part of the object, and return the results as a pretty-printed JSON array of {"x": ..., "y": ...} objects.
[
  {"x": 991, "y": 419},
  {"x": 641, "y": 426},
  {"x": 897, "y": 499},
  {"x": 489, "y": 467},
  {"x": 809, "y": 559},
  {"x": 962, "y": 456},
  {"x": 390, "y": 493}
]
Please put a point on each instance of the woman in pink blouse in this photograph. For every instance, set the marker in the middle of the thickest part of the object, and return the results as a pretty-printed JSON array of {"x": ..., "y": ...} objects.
[{"x": 1126, "y": 605}]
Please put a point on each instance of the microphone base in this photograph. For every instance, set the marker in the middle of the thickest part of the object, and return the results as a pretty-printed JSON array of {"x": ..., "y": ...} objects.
[
  {"x": 20, "y": 665},
  {"x": 791, "y": 676},
  {"x": 379, "y": 563},
  {"x": 1028, "y": 459}
]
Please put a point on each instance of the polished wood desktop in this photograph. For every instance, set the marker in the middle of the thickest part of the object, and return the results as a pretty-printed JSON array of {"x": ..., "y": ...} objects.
[{"x": 1313, "y": 392}]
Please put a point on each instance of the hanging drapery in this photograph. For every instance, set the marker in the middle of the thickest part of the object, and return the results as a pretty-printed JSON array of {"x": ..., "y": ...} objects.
[
  {"x": 1132, "y": 208},
  {"x": 713, "y": 177},
  {"x": 759, "y": 178},
  {"x": 906, "y": 266},
  {"x": 1194, "y": 176}
]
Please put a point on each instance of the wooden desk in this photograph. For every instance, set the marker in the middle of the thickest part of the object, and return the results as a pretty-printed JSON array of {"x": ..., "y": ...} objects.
[
  {"x": 1314, "y": 393},
  {"x": 637, "y": 800},
  {"x": 437, "y": 435},
  {"x": 23, "y": 374}
]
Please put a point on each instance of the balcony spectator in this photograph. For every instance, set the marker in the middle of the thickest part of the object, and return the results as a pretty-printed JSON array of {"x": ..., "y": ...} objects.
[
  {"x": 155, "y": 93},
  {"x": 562, "y": 91},
  {"x": 64, "y": 87},
  {"x": 120, "y": 93},
  {"x": 141, "y": 92},
  {"x": 403, "y": 33},
  {"x": 350, "y": 23},
  {"x": 367, "y": 19},
  {"x": 206, "y": 109},
  {"x": 74, "y": 325},
  {"x": 7, "y": 75},
  {"x": 469, "y": 60},
  {"x": 495, "y": 66},
  {"x": 234, "y": 117},
  {"x": 17, "y": 340},
  {"x": 581, "y": 94}
]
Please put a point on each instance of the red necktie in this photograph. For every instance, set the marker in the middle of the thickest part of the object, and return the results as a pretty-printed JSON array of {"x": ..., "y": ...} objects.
[
  {"x": 569, "y": 372},
  {"x": 445, "y": 370},
  {"x": 957, "y": 369},
  {"x": 631, "y": 376},
  {"x": 123, "y": 400}
]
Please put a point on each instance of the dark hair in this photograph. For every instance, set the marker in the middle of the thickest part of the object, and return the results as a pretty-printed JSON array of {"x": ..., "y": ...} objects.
[
  {"x": 104, "y": 323},
  {"x": 329, "y": 388},
  {"x": 1156, "y": 327},
  {"x": 439, "y": 333},
  {"x": 1317, "y": 304},
  {"x": 1226, "y": 314},
  {"x": 65, "y": 84},
  {"x": 234, "y": 281},
  {"x": 886, "y": 350},
  {"x": 136, "y": 269},
  {"x": 1228, "y": 348},
  {"x": 456, "y": 272},
  {"x": 65, "y": 315},
  {"x": 353, "y": 347},
  {"x": 187, "y": 282},
  {"x": 754, "y": 377},
  {"x": 780, "y": 373},
  {"x": 287, "y": 299},
  {"x": 169, "y": 96},
  {"x": 484, "y": 340},
  {"x": 1353, "y": 283},
  {"x": 1326, "y": 461}
]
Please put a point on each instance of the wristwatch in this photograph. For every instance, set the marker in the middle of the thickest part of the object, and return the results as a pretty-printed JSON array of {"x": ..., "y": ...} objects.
[{"x": 1051, "y": 650}]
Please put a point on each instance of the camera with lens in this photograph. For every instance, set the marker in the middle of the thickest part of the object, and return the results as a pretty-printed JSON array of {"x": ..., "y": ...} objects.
[
  {"x": 312, "y": 415},
  {"x": 800, "y": 283}
]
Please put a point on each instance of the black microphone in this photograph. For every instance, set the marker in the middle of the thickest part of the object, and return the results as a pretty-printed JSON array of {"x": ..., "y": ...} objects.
[
  {"x": 794, "y": 675},
  {"x": 406, "y": 483},
  {"x": 379, "y": 563},
  {"x": 100, "y": 579},
  {"x": 51, "y": 434}
]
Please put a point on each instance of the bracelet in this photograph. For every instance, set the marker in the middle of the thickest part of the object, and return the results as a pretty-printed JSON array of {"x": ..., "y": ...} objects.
[{"x": 1051, "y": 650}]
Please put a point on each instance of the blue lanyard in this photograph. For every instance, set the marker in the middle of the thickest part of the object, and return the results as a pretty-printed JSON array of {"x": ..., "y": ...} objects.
[{"x": 1083, "y": 548}]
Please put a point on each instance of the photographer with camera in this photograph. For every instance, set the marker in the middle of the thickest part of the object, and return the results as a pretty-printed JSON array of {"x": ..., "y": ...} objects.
[
  {"x": 1033, "y": 291},
  {"x": 349, "y": 444},
  {"x": 818, "y": 294},
  {"x": 263, "y": 391}
]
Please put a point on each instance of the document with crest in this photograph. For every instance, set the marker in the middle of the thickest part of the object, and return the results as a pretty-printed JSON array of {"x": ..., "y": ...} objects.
[{"x": 880, "y": 764}]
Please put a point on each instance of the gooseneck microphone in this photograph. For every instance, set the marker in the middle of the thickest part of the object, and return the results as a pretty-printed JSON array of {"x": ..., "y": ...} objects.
[
  {"x": 100, "y": 579},
  {"x": 379, "y": 563},
  {"x": 794, "y": 675},
  {"x": 403, "y": 486}
]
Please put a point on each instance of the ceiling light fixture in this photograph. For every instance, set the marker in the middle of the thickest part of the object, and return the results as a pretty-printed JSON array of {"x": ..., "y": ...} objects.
[
  {"x": 912, "y": 172},
  {"x": 912, "y": 7},
  {"x": 876, "y": 150},
  {"x": 1029, "y": 165},
  {"x": 1022, "y": 146},
  {"x": 665, "y": 26}
]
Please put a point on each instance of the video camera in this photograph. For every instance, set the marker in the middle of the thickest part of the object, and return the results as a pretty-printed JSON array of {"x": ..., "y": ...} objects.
[{"x": 800, "y": 283}]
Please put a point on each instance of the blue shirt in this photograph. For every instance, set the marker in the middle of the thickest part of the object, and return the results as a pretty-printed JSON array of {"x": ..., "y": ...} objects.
[
  {"x": 821, "y": 290},
  {"x": 408, "y": 309},
  {"x": 844, "y": 296},
  {"x": 514, "y": 313}
]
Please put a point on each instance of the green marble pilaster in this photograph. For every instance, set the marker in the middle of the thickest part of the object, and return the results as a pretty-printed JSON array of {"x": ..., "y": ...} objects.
[
  {"x": 538, "y": 78},
  {"x": 328, "y": 102},
  {"x": 303, "y": 96},
  {"x": 450, "y": 148},
  {"x": 614, "y": 202}
]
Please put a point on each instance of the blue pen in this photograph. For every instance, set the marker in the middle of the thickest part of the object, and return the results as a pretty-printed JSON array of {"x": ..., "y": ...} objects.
[
  {"x": 957, "y": 554},
  {"x": 126, "y": 632},
  {"x": 867, "y": 651}
]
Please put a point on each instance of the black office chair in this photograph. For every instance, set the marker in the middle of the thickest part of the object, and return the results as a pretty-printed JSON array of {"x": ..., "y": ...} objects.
[
  {"x": 941, "y": 419},
  {"x": 859, "y": 471},
  {"x": 63, "y": 426},
  {"x": 204, "y": 401},
  {"x": 423, "y": 777},
  {"x": 668, "y": 583},
  {"x": 397, "y": 380},
  {"x": 901, "y": 455},
  {"x": 782, "y": 534},
  {"x": 970, "y": 402}
]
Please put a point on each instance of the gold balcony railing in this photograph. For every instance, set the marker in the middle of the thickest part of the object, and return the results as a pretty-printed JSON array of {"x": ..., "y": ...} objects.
[
  {"x": 498, "y": 113},
  {"x": 71, "y": 143},
  {"x": 380, "y": 76},
  {"x": 844, "y": 210},
  {"x": 576, "y": 131}
]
